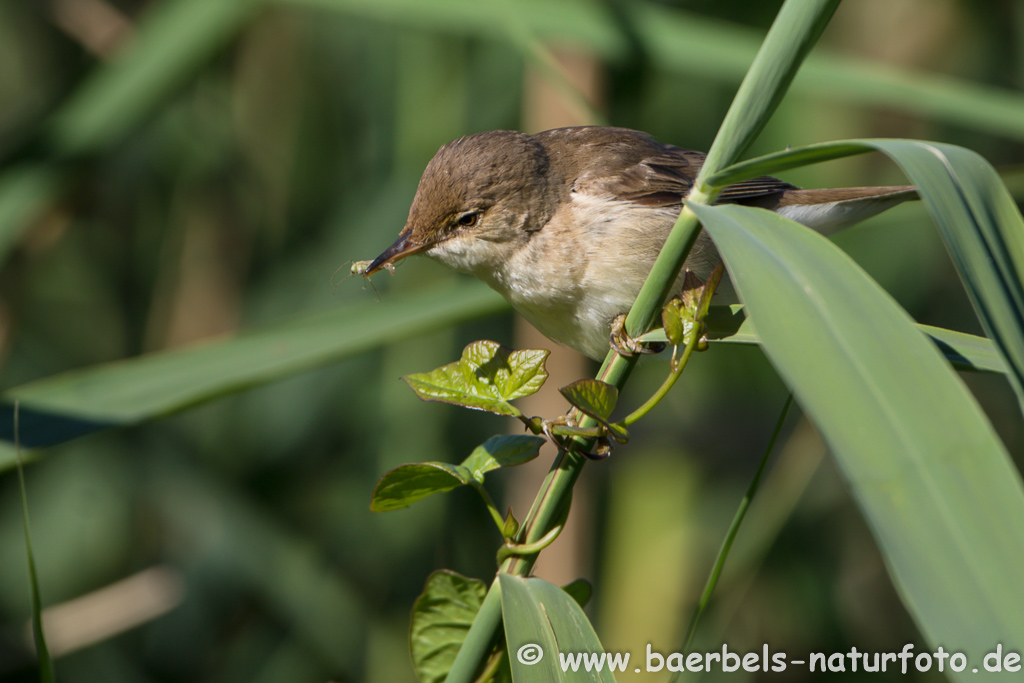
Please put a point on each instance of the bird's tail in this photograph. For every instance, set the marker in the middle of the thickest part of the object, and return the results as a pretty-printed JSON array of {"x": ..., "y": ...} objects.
[{"x": 829, "y": 210}]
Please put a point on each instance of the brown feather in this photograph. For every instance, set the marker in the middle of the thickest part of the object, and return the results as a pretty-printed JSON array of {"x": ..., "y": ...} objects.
[
  {"x": 630, "y": 165},
  {"x": 842, "y": 194}
]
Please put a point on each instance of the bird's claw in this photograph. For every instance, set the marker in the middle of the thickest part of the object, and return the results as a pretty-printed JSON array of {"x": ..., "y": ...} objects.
[
  {"x": 547, "y": 426},
  {"x": 603, "y": 447},
  {"x": 625, "y": 345}
]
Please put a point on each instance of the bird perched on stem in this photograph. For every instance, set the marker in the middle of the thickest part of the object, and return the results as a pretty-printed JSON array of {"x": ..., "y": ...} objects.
[{"x": 566, "y": 224}]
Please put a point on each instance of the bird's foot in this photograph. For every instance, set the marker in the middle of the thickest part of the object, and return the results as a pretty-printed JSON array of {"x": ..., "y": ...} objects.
[
  {"x": 625, "y": 345},
  {"x": 547, "y": 425},
  {"x": 602, "y": 445}
]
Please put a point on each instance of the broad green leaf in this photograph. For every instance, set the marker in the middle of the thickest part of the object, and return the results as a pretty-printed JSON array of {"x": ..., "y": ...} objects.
[
  {"x": 966, "y": 351},
  {"x": 487, "y": 377},
  {"x": 541, "y": 621},
  {"x": 441, "y": 617},
  {"x": 505, "y": 450},
  {"x": 943, "y": 499},
  {"x": 728, "y": 325},
  {"x": 984, "y": 232},
  {"x": 594, "y": 397},
  {"x": 409, "y": 483},
  {"x": 979, "y": 221},
  {"x": 130, "y": 391}
]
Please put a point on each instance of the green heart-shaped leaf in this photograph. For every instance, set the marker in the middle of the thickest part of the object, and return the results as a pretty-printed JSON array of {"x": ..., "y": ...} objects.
[
  {"x": 407, "y": 484},
  {"x": 441, "y": 618},
  {"x": 505, "y": 450}
]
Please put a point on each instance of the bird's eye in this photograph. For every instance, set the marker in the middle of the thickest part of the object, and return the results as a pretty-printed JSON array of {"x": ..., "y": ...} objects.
[{"x": 469, "y": 218}]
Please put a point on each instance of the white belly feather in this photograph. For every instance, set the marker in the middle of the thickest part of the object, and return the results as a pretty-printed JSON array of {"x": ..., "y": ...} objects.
[{"x": 571, "y": 289}]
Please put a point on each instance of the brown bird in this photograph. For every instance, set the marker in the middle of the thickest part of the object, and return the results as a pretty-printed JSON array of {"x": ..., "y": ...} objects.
[{"x": 567, "y": 223}]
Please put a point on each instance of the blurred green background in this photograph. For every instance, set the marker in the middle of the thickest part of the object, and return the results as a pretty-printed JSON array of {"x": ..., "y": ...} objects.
[{"x": 178, "y": 170}]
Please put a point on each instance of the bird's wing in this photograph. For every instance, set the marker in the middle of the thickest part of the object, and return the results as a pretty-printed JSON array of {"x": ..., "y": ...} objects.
[{"x": 664, "y": 176}]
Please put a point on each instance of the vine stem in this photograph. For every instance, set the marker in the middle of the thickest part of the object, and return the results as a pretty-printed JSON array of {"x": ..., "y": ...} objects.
[
  {"x": 666, "y": 386},
  {"x": 489, "y": 504}
]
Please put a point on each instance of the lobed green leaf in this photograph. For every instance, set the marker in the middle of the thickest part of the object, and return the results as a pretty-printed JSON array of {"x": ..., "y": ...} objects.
[
  {"x": 510, "y": 374},
  {"x": 487, "y": 377},
  {"x": 447, "y": 385}
]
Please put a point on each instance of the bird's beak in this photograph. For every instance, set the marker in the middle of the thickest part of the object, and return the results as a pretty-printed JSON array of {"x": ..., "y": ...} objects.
[{"x": 403, "y": 246}]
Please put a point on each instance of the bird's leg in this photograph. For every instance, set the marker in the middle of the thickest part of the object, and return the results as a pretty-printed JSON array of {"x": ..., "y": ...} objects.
[
  {"x": 547, "y": 425},
  {"x": 570, "y": 427},
  {"x": 625, "y": 345}
]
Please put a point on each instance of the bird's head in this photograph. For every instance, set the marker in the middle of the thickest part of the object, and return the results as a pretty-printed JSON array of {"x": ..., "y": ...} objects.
[{"x": 479, "y": 199}]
